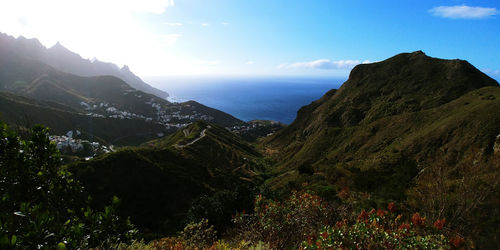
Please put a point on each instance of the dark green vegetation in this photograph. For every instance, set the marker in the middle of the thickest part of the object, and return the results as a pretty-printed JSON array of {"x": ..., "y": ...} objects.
[
  {"x": 418, "y": 131},
  {"x": 42, "y": 205},
  {"x": 158, "y": 182},
  {"x": 259, "y": 128}
]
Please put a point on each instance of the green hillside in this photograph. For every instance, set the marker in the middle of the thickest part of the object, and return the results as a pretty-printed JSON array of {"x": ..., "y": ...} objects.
[
  {"x": 413, "y": 129},
  {"x": 157, "y": 183},
  {"x": 26, "y": 112},
  {"x": 409, "y": 104},
  {"x": 417, "y": 135}
]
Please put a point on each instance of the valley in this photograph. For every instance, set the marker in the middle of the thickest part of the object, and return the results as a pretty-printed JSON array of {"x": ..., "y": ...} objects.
[{"x": 412, "y": 130}]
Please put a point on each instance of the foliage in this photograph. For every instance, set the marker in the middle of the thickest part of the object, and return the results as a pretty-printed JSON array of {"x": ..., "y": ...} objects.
[
  {"x": 380, "y": 229},
  {"x": 199, "y": 234},
  {"x": 284, "y": 224},
  {"x": 465, "y": 193},
  {"x": 178, "y": 243},
  {"x": 221, "y": 206},
  {"x": 42, "y": 205},
  {"x": 159, "y": 183}
]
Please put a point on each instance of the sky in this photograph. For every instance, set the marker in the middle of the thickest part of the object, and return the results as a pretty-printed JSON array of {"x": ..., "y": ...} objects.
[{"x": 259, "y": 37}]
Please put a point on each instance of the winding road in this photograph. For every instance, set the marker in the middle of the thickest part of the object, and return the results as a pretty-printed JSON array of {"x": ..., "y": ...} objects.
[{"x": 186, "y": 133}]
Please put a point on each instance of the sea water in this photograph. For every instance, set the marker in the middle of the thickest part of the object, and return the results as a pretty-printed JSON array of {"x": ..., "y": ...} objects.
[{"x": 249, "y": 98}]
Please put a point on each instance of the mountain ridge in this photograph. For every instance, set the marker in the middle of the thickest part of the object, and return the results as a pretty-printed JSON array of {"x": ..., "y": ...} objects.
[
  {"x": 408, "y": 109},
  {"x": 68, "y": 61},
  {"x": 98, "y": 98},
  {"x": 357, "y": 100}
]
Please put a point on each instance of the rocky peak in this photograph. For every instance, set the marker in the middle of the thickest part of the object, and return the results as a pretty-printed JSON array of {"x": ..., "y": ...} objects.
[{"x": 125, "y": 68}]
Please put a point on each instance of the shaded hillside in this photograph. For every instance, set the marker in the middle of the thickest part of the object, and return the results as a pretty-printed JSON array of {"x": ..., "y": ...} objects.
[
  {"x": 65, "y": 60},
  {"x": 23, "y": 111},
  {"x": 158, "y": 182}
]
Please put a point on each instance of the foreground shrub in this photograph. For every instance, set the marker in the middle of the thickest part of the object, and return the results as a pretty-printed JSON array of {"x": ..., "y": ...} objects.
[
  {"x": 467, "y": 194},
  {"x": 221, "y": 206},
  {"x": 284, "y": 224},
  {"x": 379, "y": 230},
  {"x": 199, "y": 234},
  {"x": 42, "y": 206}
]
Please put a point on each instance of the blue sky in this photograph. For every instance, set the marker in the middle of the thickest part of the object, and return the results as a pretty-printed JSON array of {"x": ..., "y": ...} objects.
[{"x": 263, "y": 37}]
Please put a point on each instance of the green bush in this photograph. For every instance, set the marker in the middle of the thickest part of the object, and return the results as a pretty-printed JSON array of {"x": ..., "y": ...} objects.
[
  {"x": 41, "y": 205},
  {"x": 221, "y": 206},
  {"x": 199, "y": 234}
]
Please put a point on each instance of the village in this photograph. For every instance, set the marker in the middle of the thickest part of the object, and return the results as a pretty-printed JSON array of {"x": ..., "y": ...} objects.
[
  {"x": 172, "y": 116},
  {"x": 69, "y": 144}
]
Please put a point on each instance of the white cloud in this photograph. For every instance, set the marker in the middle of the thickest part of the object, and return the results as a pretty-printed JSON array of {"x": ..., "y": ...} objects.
[
  {"x": 170, "y": 39},
  {"x": 463, "y": 12},
  {"x": 205, "y": 24},
  {"x": 177, "y": 24},
  {"x": 225, "y": 23},
  {"x": 207, "y": 63},
  {"x": 250, "y": 63},
  {"x": 325, "y": 64},
  {"x": 491, "y": 72}
]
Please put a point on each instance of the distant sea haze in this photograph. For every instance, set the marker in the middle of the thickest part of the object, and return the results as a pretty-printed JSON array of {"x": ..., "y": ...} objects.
[{"x": 271, "y": 98}]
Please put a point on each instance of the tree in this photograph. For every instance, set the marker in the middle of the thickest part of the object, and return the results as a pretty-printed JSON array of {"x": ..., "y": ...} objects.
[{"x": 42, "y": 205}]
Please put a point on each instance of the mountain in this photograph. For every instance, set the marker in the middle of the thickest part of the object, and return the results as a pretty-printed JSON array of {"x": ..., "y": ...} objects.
[
  {"x": 416, "y": 130},
  {"x": 158, "y": 182},
  {"x": 65, "y": 60},
  {"x": 97, "y": 105},
  {"x": 409, "y": 107},
  {"x": 26, "y": 112}
]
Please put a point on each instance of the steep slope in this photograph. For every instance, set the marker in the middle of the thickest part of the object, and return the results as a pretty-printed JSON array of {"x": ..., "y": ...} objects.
[
  {"x": 105, "y": 97},
  {"x": 158, "y": 182},
  {"x": 26, "y": 112},
  {"x": 65, "y": 60},
  {"x": 405, "y": 110}
]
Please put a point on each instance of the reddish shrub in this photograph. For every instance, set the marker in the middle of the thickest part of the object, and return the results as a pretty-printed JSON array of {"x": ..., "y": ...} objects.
[
  {"x": 363, "y": 215},
  {"x": 391, "y": 207},
  {"x": 457, "y": 241},
  {"x": 418, "y": 220},
  {"x": 404, "y": 226},
  {"x": 439, "y": 224},
  {"x": 381, "y": 213}
]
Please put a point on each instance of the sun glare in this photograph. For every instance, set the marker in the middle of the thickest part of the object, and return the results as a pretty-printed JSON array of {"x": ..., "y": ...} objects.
[{"x": 108, "y": 30}]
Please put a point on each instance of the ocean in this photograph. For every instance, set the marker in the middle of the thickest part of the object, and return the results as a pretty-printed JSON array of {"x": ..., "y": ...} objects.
[{"x": 270, "y": 98}]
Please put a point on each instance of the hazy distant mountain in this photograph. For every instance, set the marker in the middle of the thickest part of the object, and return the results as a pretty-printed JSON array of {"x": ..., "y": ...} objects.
[
  {"x": 100, "y": 106},
  {"x": 65, "y": 60}
]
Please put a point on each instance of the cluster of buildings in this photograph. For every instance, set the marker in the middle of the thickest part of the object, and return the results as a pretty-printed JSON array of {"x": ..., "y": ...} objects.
[
  {"x": 259, "y": 128},
  {"x": 67, "y": 144},
  {"x": 172, "y": 116}
]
